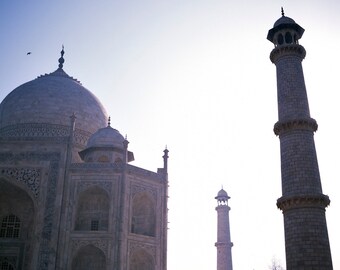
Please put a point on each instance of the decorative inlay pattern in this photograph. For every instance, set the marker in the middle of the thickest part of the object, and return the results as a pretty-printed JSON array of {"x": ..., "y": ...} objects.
[
  {"x": 43, "y": 131},
  {"x": 118, "y": 167},
  {"x": 287, "y": 203},
  {"x": 79, "y": 243},
  {"x": 288, "y": 50},
  {"x": 29, "y": 176},
  {"x": 306, "y": 124},
  {"x": 137, "y": 189},
  {"x": 35, "y": 130},
  {"x": 83, "y": 185},
  {"x": 134, "y": 246},
  {"x": 81, "y": 137}
]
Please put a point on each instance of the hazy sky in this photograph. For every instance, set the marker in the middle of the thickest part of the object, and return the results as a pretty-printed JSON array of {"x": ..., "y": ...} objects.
[{"x": 194, "y": 75}]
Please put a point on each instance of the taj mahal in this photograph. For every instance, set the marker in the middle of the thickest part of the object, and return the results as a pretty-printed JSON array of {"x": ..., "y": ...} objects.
[{"x": 70, "y": 199}]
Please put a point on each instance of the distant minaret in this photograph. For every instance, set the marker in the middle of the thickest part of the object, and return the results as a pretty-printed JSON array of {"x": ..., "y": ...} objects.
[
  {"x": 302, "y": 202},
  {"x": 223, "y": 244}
]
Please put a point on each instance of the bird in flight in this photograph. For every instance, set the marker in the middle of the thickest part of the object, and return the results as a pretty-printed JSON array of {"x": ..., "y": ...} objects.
[{"x": 28, "y": 53}]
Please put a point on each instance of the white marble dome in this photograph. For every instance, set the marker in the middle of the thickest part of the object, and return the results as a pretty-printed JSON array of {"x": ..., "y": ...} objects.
[
  {"x": 106, "y": 145},
  {"x": 106, "y": 137},
  {"x": 52, "y": 99}
]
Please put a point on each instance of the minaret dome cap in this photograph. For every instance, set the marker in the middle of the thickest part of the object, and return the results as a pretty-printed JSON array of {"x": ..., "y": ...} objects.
[
  {"x": 222, "y": 195},
  {"x": 106, "y": 137},
  {"x": 285, "y": 23},
  {"x": 284, "y": 20}
]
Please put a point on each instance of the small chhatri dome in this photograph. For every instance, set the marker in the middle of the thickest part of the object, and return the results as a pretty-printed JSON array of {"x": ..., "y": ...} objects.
[
  {"x": 222, "y": 195},
  {"x": 106, "y": 145},
  {"x": 282, "y": 24},
  {"x": 106, "y": 137},
  {"x": 284, "y": 20}
]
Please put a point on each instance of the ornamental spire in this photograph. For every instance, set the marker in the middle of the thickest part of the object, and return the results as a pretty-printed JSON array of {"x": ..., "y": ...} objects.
[
  {"x": 282, "y": 11},
  {"x": 61, "y": 59},
  {"x": 165, "y": 159}
]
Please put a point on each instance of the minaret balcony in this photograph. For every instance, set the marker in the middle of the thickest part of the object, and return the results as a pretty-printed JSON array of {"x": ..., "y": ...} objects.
[
  {"x": 286, "y": 203},
  {"x": 287, "y": 50},
  {"x": 300, "y": 124}
]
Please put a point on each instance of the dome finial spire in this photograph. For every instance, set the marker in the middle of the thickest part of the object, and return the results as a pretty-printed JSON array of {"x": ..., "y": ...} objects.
[
  {"x": 282, "y": 11},
  {"x": 109, "y": 122},
  {"x": 61, "y": 59}
]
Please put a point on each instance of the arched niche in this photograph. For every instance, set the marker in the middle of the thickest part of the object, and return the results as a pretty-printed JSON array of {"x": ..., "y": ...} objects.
[
  {"x": 17, "y": 219},
  {"x": 141, "y": 260},
  {"x": 92, "y": 210},
  {"x": 143, "y": 218},
  {"x": 89, "y": 258}
]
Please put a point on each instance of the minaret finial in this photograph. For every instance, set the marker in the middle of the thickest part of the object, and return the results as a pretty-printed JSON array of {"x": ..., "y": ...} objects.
[
  {"x": 166, "y": 151},
  {"x": 109, "y": 122},
  {"x": 165, "y": 159},
  {"x": 61, "y": 59},
  {"x": 282, "y": 11}
]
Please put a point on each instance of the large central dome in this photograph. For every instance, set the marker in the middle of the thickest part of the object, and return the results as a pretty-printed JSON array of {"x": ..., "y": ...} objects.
[{"x": 52, "y": 99}]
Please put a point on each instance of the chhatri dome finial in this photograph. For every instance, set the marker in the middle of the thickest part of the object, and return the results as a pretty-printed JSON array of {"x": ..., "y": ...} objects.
[
  {"x": 166, "y": 151},
  {"x": 282, "y": 11},
  {"x": 61, "y": 59},
  {"x": 109, "y": 122}
]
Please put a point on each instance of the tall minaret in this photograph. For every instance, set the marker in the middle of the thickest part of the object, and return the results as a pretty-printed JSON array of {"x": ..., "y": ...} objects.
[
  {"x": 223, "y": 244},
  {"x": 302, "y": 203}
]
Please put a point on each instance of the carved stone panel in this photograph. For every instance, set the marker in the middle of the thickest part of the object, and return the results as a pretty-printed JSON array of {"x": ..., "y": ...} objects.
[{"x": 31, "y": 177}]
